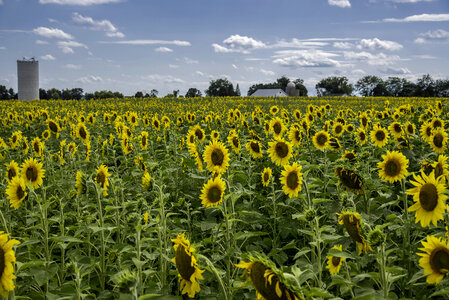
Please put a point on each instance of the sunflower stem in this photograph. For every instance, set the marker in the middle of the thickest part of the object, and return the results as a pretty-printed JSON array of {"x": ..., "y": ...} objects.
[
  {"x": 102, "y": 253},
  {"x": 228, "y": 244},
  {"x": 4, "y": 221},
  {"x": 274, "y": 215},
  {"x": 162, "y": 236},
  {"x": 348, "y": 276},
  {"x": 217, "y": 275},
  {"x": 406, "y": 241},
  {"x": 138, "y": 250}
]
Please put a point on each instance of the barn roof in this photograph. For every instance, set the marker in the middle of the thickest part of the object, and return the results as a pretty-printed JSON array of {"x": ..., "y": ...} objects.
[{"x": 269, "y": 93}]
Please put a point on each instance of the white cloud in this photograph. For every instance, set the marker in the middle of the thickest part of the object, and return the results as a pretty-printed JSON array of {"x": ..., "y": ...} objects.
[
  {"x": 48, "y": 57},
  {"x": 199, "y": 73},
  {"x": 380, "y": 59},
  {"x": 238, "y": 43},
  {"x": 234, "y": 66},
  {"x": 188, "y": 61},
  {"x": 339, "y": 3},
  {"x": 90, "y": 79},
  {"x": 149, "y": 42},
  {"x": 52, "y": 33},
  {"x": 103, "y": 25},
  {"x": 40, "y": 42},
  {"x": 376, "y": 44},
  {"x": 439, "y": 35},
  {"x": 163, "y": 49},
  {"x": 305, "y": 58},
  {"x": 358, "y": 72},
  {"x": 421, "y": 18},
  {"x": 67, "y": 47},
  {"x": 424, "y": 56},
  {"x": 343, "y": 45},
  {"x": 396, "y": 71},
  {"x": 267, "y": 72},
  {"x": 411, "y": 1},
  {"x": 78, "y": 2},
  {"x": 296, "y": 43},
  {"x": 1, "y": 2},
  {"x": 162, "y": 78},
  {"x": 72, "y": 66},
  {"x": 173, "y": 66}
]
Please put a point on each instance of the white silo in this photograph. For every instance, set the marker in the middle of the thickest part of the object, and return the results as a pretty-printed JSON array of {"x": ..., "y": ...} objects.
[
  {"x": 291, "y": 90},
  {"x": 28, "y": 79}
]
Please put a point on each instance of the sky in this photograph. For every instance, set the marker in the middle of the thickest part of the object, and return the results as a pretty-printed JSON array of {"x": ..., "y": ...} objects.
[{"x": 140, "y": 45}]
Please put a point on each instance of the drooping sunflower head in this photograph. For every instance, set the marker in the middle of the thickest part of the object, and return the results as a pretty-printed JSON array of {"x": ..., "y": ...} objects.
[
  {"x": 428, "y": 194},
  {"x": 350, "y": 180},
  {"x": 146, "y": 181},
  {"x": 321, "y": 139},
  {"x": 217, "y": 157},
  {"x": 213, "y": 192},
  {"x": 12, "y": 170},
  {"x": 291, "y": 179},
  {"x": 80, "y": 183},
  {"x": 144, "y": 140},
  {"x": 7, "y": 261},
  {"x": 16, "y": 192},
  {"x": 254, "y": 148},
  {"x": 188, "y": 271},
  {"x": 280, "y": 151},
  {"x": 267, "y": 279},
  {"x": 334, "y": 263},
  {"x": 352, "y": 223},
  {"x": 102, "y": 178},
  {"x": 266, "y": 176},
  {"x": 32, "y": 172},
  {"x": 393, "y": 167},
  {"x": 435, "y": 259}
]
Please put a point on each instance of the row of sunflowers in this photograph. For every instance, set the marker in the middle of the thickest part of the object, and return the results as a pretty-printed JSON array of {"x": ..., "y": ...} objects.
[{"x": 224, "y": 198}]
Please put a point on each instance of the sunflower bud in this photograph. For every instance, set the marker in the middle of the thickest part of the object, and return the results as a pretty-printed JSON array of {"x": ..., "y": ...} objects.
[
  {"x": 310, "y": 214},
  {"x": 376, "y": 237}
]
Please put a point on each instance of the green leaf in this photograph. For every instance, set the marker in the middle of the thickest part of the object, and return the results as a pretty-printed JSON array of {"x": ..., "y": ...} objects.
[{"x": 339, "y": 253}]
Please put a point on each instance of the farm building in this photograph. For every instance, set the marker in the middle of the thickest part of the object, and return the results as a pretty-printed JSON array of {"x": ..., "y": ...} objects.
[{"x": 269, "y": 93}]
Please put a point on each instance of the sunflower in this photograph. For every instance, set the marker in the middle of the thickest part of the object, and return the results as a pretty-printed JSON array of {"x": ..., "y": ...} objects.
[
  {"x": 212, "y": 192},
  {"x": 396, "y": 130},
  {"x": 349, "y": 155},
  {"x": 426, "y": 131},
  {"x": 274, "y": 110},
  {"x": 38, "y": 147},
  {"x": 72, "y": 148},
  {"x": 350, "y": 180},
  {"x": 410, "y": 128},
  {"x": 266, "y": 176},
  {"x": 268, "y": 280},
  {"x": 25, "y": 147},
  {"x": 440, "y": 167},
  {"x": 338, "y": 129},
  {"x": 138, "y": 160},
  {"x": 214, "y": 135},
  {"x": 7, "y": 261},
  {"x": 32, "y": 172},
  {"x": 277, "y": 127},
  {"x": 295, "y": 135},
  {"x": 102, "y": 178},
  {"x": 16, "y": 192},
  {"x": 15, "y": 138},
  {"x": 438, "y": 140},
  {"x": 217, "y": 157},
  {"x": 393, "y": 167},
  {"x": 334, "y": 144},
  {"x": 435, "y": 260},
  {"x": 437, "y": 123},
  {"x": 352, "y": 221},
  {"x": 291, "y": 179},
  {"x": 188, "y": 271},
  {"x": 321, "y": 139},
  {"x": 80, "y": 183},
  {"x": 280, "y": 151},
  {"x": 82, "y": 133},
  {"x": 254, "y": 148},
  {"x": 199, "y": 133},
  {"x": 334, "y": 262},
  {"x": 379, "y": 136},
  {"x": 146, "y": 181},
  {"x": 428, "y": 194},
  {"x": 144, "y": 140},
  {"x": 233, "y": 140},
  {"x": 46, "y": 134},
  {"x": 12, "y": 170},
  {"x": 53, "y": 126},
  {"x": 361, "y": 136}
]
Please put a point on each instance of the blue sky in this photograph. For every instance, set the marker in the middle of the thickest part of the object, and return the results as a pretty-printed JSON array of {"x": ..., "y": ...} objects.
[{"x": 132, "y": 45}]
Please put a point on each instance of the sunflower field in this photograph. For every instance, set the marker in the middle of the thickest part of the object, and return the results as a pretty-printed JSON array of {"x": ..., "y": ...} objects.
[{"x": 225, "y": 198}]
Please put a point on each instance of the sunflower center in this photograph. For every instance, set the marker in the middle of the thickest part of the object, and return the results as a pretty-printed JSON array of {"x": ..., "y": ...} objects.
[
  {"x": 14, "y": 139},
  {"x": 438, "y": 140},
  {"x": 266, "y": 176},
  {"x": 12, "y": 173},
  {"x": 297, "y": 135},
  {"x": 338, "y": 129},
  {"x": 101, "y": 178},
  {"x": 20, "y": 193},
  {"x": 350, "y": 156},
  {"x": 82, "y": 133},
  {"x": 217, "y": 157},
  {"x": 255, "y": 147},
  {"x": 277, "y": 127},
  {"x": 410, "y": 128},
  {"x": 214, "y": 194},
  {"x": 281, "y": 149},
  {"x": 144, "y": 141},
  {"x": 428, "y": 196},
  {"x": 199, "y": 134},
  {"x": 31, "y": 173},
  {"x": 380, "y": 135},
  {"x": 439, "y": 260},
  {"x": 2, "y": 261},
  {"x": 36, "y": 147},
  {"x": 428, "y": 131},
  {"x": 235, "y": 141},
  {"x": 436, "y": 124},
  {"x": 292, "y": 180},
  {"x": 321, "y": 139},
  {"x": 364, "y": 121},
  {"x": 184, "y": 263},
  {"x": 392, "y": 168},
  {"x": 192, "y": 139},
  {"x": 53, "y": 127},
  {"x": 397, "y": 128},
  {"x": 362, "y": 136},
  {"x": 438, "y": 170},
  {"x": 336, "y": 261}
]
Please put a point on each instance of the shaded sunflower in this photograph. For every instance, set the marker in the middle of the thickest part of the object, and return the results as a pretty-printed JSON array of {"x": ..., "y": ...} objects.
[
  {"x": 72, "y": 148},
  {"x": 352, "y": 221},
  {"x": 361, "y": 136},
  {"x": 199, "y": 133},
  {"x": 188, "y": 271},
  {"x": 426, "y": 131},
  {"x": 338, "y": 129},
  {"x": 32, "y": 172},
  {"x": 46, "y": 134},
  {"x": 7, "y": 261},
  {"x": 146, "y": 181},
  {"x": 82, "y": 133},
  {"x": 80, "y": 183},
  {"x": 15, "y": 138},
  {"x": 233, "y": 140},
  {"x": 295, "y": 135},
  {"x": 349, "y": 155},
  {"x": 217, "y": 157},
  {"x": 266, "y": 176},
  {"x": 25, "y": 147},
  {"x": 280, "y": 151},
  {"x": 334, "y": 144},
  {"x": 395, "y": 129},
  {"x": 102, "y": 178},
  {"x": 441, "y": 168},
  {"x": 437, "y": 123},
  {"x": 410, "y": 128},
  {"x": 393, "y": 167},
  {"x": 321, "y": 139},
  {"x": 12, "y": 170},
  {"x": 379, "y": 136},
  {"x": 291, "y": 179},
  {"x": 334, "y": 262},
  {"x": 268, "y": 280},
  {"x": 254, "y": 148},
  {"x": 144, "y": 140},
  {"x": 435, "y": 260},
  {"x": 350, "y": 180},
  {"x": 38, "y": 147},
  {"x": 212, "y": 192},
  {"x": 16, "y": 192},
  {"x": 429, "y": 198},
  {"x": 138, "y": 160},
  {"x": 53, "y": 126},
  {"x": 277, "y": 127},
  {"x": 438, "y": 140}
]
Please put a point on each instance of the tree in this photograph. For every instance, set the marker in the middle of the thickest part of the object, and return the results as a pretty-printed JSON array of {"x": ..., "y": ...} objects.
[
  {"x": 77, "y": 93},
  {"x": 153, "y": 93},
  {"x": 334, "y": 86},
  {"x": 54, "y": 93},
  {"x": 425, "y": 87},
  {"x": 66, "y": 94},
  {"x": 237, "y": 90},
  {"x": 280, "y": 83},
  {"x": 175, "y": 93},
  {"x": 43, "y": 94},
  {"x": 220, "y": 88},
  {"x": 371, "y": 86},
  {"x": 4, "y": 94},
  {"x": 400, "y": 87},
  {"x": 442, "y": 88},
  {"x": 139, "y": 94},
  {"x": 193, "y": 92},
  {"x": 299, "y": 84}
]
